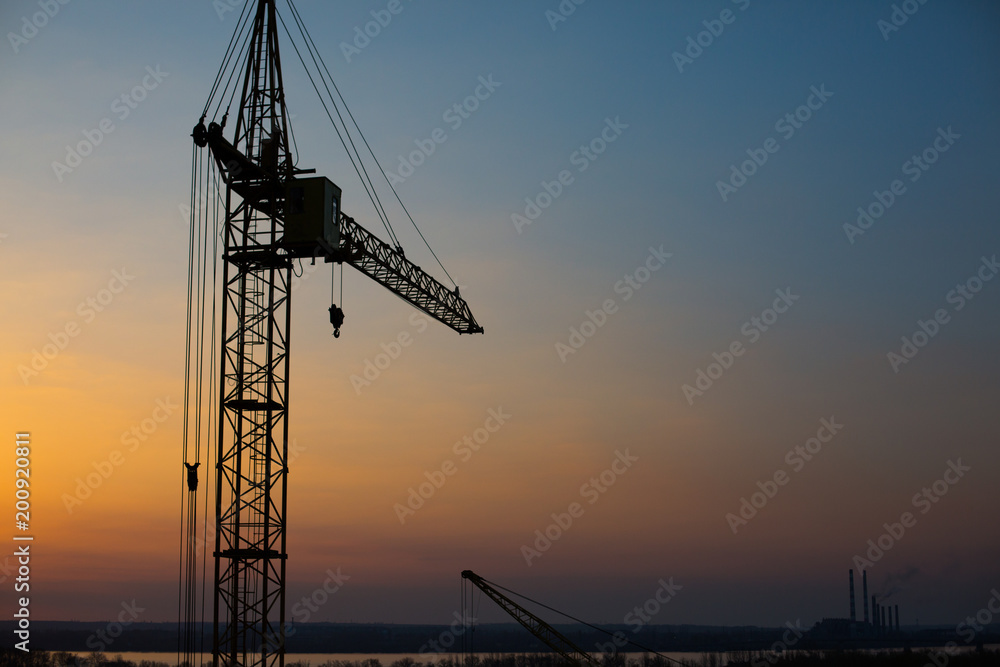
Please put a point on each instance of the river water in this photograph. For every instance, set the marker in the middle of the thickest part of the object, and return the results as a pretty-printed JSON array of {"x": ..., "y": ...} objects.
[
  {"x": 317, "y": 659},
  {"x": 387, "y": 659}
]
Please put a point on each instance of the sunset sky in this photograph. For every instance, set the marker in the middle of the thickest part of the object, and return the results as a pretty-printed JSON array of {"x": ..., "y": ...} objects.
[{"x": 674, "y": 240}]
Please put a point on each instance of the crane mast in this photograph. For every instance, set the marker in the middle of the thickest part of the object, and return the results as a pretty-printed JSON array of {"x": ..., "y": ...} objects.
[
  {"x": 272, "y": 217},
  {"x": 252, "y": 470}
]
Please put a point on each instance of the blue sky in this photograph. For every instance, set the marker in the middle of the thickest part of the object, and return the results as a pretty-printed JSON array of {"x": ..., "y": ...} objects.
[{"x": 656, "y": 184}]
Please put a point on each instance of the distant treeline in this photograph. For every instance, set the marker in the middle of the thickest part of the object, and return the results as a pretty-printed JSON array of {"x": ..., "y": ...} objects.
[
  {"x": 499, "y": 638},
  {"x": 987, "y": 658}
]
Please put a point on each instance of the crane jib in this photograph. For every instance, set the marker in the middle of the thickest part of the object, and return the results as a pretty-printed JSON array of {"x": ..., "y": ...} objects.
[{"x": 308, "y": 232}]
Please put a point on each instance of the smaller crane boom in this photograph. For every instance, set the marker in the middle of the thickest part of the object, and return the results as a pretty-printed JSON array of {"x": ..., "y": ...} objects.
[{"x": 536, "y": 626}]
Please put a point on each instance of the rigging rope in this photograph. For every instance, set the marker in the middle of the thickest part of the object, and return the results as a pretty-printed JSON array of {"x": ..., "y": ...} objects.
[
  {"x": 212, "y": 434},
  {"x": 589, "y": 625},
  {"x": 200, "y": 331},
  {"x": 366, "y": 183},
  {"x": 187, "y": 375},
  {"x": 309, "y": 39},
  {"x": 207, "y": 212},
  {"x": 314, "y": 55},
  {"x": 240, "y": 27},
  {"x": 242, "y": 38}
]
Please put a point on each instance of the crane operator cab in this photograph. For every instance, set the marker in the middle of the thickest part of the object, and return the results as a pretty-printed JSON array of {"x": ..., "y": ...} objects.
[
  {"x": 312, "y": 210},
  {"x": 312, "y": 229}
]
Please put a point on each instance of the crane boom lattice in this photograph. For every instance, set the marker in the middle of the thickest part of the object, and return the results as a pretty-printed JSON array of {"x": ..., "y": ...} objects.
[
  {"x": 536, "y": 626},
  {"x": 251, "y": 471}
]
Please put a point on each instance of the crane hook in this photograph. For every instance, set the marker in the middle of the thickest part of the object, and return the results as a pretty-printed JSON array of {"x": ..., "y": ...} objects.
[
  {"x": 336, "y": 319},
  {"x": 192, "y": 475}
]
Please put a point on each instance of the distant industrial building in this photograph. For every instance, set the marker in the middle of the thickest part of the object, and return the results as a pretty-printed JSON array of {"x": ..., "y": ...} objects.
[{"x": 883, "y": 621}]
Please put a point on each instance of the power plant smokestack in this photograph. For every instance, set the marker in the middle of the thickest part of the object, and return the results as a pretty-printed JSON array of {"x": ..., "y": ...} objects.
[
  {"x": 864, "y": 589},
  {"x": 881, "y": 610},
  {"x": 850, "y": 579},
  {"x": 897, "y": 618},
  {"x": 888, "y": 610}
]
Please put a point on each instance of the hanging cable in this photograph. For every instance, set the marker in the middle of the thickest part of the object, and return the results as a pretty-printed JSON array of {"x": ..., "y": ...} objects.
[
  {"x": 199, "y": 380},
  {"x": 317, "y": 59},
  {"x": 225, "y": 62},
  {"x": 461, "y": 610},
  {"x": 581, "y": 622},
  {"x": 309, "y": 40},
  {"x": 245, "y": 48},
  {"x": 193, "y": 348},
  {"x": 199, "y": 331},
  {"x": 187, "y": 376},
  {"x": 240, "y": 37},
  {"x": 233, "y": 41},
  {"x": 336, "y": 312},
  {"x": 295, "y": 145},
  {"x": 372, "y": 195},
  {"x": 474, "y": 594},
  {"x": 211, "y": 438}
]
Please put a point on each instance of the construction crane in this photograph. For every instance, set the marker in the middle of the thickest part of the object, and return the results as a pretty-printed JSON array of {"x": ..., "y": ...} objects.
[
  {"x": 274, "y": 214},
  {"x": 555, "y": 640},
  {"x": 545, "y": 632}
]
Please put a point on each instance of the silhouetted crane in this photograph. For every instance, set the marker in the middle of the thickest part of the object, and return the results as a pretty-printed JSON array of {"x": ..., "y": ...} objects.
[
  {"x": 545, "y": 632},
  {"x": 536, "y": 626},
  {"x": 274, "y": 214}
]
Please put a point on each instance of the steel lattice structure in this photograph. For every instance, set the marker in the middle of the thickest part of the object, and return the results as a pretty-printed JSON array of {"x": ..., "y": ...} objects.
[
  {"x": 252, "y": 465},
  {"x": 251, "y": 473},
  {"x": 554, "y": 639},
  {"x": 378, "y": 260}
]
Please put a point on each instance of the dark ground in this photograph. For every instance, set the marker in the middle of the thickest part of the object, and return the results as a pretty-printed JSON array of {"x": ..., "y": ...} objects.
[
  {"x": 112, "y": 638},
  {"x": 15, "y": 658}
]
